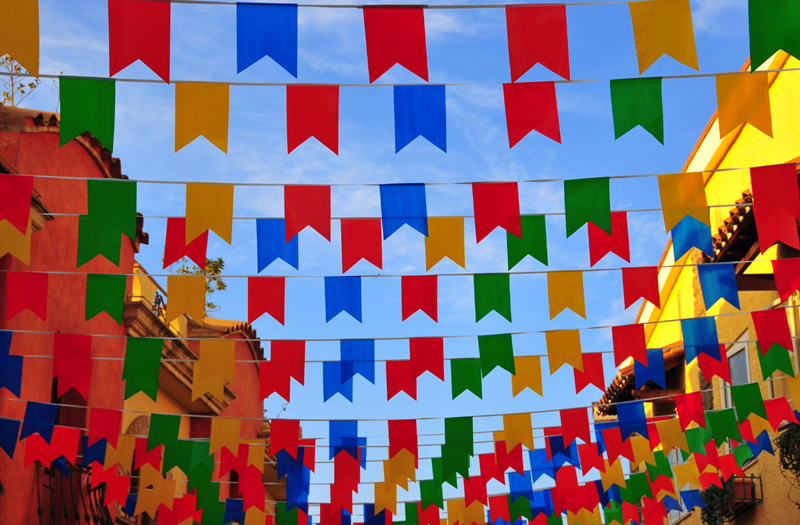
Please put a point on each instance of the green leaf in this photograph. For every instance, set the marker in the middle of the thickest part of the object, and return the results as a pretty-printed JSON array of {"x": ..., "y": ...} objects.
[
  {"x": 492, "y": 292},
  {"x": 142, "y": 365},
  {"x": 465, "y": 374},
  {"x": 587, "y": 200},
  {"x": 105, "y": 293},
  {"x": 637, "y": 102},
  {"x": 533, "y": 241},
  {"x": 496, "y": 350},
  {"x": 87, "y": 105}
]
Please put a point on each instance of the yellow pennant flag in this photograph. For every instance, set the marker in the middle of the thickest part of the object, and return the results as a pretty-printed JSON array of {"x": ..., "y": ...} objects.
[
  {"x": 794, "y": 386},
  {"x": 162, "y": 493},
  {"x": 14, "y": 242},
  {"x": 474, "y": 514},
  {"x": 225, "y": 433},
  {"x": 564, "y": 348},
  {"x": 759, "y": 425},
  {"x": 20, "y": 35},
  {"x": 209, "y": 207},
  {"x": 614, "y": 475},
  {"x": 255, "y": 452},
  {"x": 455, "y": 511},
  {"x": 743, "y": 98},
  {"x": 683, "y": 194},
  {"x": 201, "y": 109},
  {"x": 663, "y": 27},
  {"x": 671, "y": 435},
  {"x": 215, "y": 366},
  {"x": 686, "y": 473},
  {"x": 529, "y": 375},
  {"x": 517, "y": 429},
  {"x": 253, "y": 516},
  {"x": 399, "y": 469},
  {"x": 642, "y": 451},
  {"x": 123, "y": 454},
  {"x": 565, "y": 290},
  {"x": 186, "y": 294},
  {"x": 445, "y": 239},
  {"x": 385, "y": 497}
]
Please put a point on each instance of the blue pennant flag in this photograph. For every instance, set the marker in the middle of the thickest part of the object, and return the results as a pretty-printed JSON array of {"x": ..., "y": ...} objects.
[
  {"x": 347, "y": 519},
  {"x": 96, "y": 452},
  {"x": 9, "y": 430},
  {"x": 632, "y": 419},
  {"x": 234, "y": 511},
  {"x": 288, "y": 464},
  {"x": 358, "y": 357},
  {"x": 332, "y": 382},
  {"x": 654, "y": 371},
  {"x": 690, "y": 233},
  {"x": 700, "y": 337},
  {"x": 297, "y": 490},
  {"x": 520, "y": 485},
  {"x": 342, "y": 294},
  {"x": 607, "y": 496},
  {"x": 130, "y": 504},
  {"x": 11, "y": 374},
  {"x": 41, "y": 418},
  {"x": 561, "y": 455},
  {"x": 671, "y": 503},
  {"x": 5, "y": 347},
  {"x": 272, "y": 245},
  {"x": 266, "y": 30},
  {"x": 420, "y": 111},
  {"x": 403, "y": 204},
  {"x": 762, "y": 444},
  {"x": 540, "y": 465},
  {"x": 718, "y": 281},
  {"x": 61, "y": 464},
  {"x": 542, "y": 502},
  {"x": 370, "y": 518},
  {"x": 692, "y": 499},
  {"x": 343, "y": 436}
]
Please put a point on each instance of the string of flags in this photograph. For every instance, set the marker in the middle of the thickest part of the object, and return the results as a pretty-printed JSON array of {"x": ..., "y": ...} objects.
[{"x": 140, "y": 30}]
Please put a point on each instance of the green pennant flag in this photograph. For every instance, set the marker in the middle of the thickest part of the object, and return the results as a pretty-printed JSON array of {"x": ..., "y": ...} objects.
[
  {"x": 412, "y": 516},
  {"x": 747, "y": 400},
  {"x": 87, "y": 104},
  {"x": 696, "y": 438},
  {"x": 214, "y": 511},
  {"x": 105, "y": 293},
  {"x": 637, "y": 486},
  {"x": 207, "y": 495},
  {"x": 587, "y": 200},
  {"x": 163, "y": 431},
  {"x": 496, "y": 350},
  {"x": 179, "y": 456},
  {"x": 200, "y": 476},
  {"x": 661, "y": 468},
  {"x": 492, "y": 292},
  {"x": 723, "y": 426},
  {"x": 112, "y": 212},
  {"x": 142, "y": 365},
  {"x": 281, "y": 516},
  {"x": 613, "y": 513},
  {"x": 458, "y": 435},
  {"x": 555, "y": 519},
  {"x": 533, "y": 241},
  {"x": 776, "y": 358},
  {"x": 431, "y": 493},
  {"x": 773, "y": 26},
  {"x": 637, "y": 102},
  {"x": 519, "y": 508},
  {"x": 465, "y": 374},
  {"x": 438, "y": 473},
  {"x": 742, "y": 453}
]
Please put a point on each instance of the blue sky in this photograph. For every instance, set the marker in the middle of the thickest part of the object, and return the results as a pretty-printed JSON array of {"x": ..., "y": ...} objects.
[{"x": 466, "y": 45}]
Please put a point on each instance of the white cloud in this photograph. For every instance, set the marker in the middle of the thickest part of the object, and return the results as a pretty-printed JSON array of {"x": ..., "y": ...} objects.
[{"x": 707, "y": 16}]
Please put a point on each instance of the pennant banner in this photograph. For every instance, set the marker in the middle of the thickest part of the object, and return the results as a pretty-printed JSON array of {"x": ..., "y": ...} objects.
[
  {"x": 776, "y": 205},
  {"x": 361, "y": 239},
  {"x": 663, "y": 27},
  {"x": 26, "y": 290},
  {"x": 496, "y": 204},
  {"x": 139, "y": 30},
  {"x": 312, "y": 111},
  {"x": 637, "y": 102},
  {"x": 403, "y": 204},
  {"x": 420, "y": 293},
  {"x": 307, "y": 206},
  {"x": 395, "y": 35},
  {"x": 176, "y": 246},
  {"x": 87, "y": 105},
  {"x": 531, "y": 106},
  {"x": 21, "y": 39},
  {"x": 419, "y": 111},
  {"x": 212, "y": 122},
  {"x": 537, "y": 35},
  {"x": 445, "y": 238},
  {"x": 266, "y": 30},
  {"x": 743, "y": 99},
  {"x": 209, "y": 207}
]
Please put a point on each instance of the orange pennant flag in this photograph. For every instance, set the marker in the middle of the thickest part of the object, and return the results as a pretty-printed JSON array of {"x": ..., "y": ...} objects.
[
  {"x": 161, "y": 493},
  {"x": 122, "y": 454},
  {"x": 209, "y": 207},
  {"x": 225, "y": 433},
  {"x": 455, "y": 511},
  {"x": 564, "y": 348},
  {"x": 400, "y": 468},
  {"x": 642, "y": 451},
  {"x": 385, "y": 497},
  {"x": 683, "y": 194},
  {"x": 565, "y": 290},
  {"x": 474, "y": 514},
  {"x": 671, "y": 435},
  {"x": 215, "y": 366},
  {"x": 14, "y": 242},
  {"x": 186, "y": 294},
  {"x": 743, "y": 98},
  {"x": 20, "y": 35},
  {"x": 201, "y": 109},
  {"x": 255, "y": 452},
  {"x": 253, "y": 516},
  {"x": 614, "y": 475},
  {"x": 445, "y": 239},
  {"x": 663, "y": 27},
  {"x": 528, "y": 375},
  {"x": 686, "y": 473},
  {"x": 518, "y": 430}
]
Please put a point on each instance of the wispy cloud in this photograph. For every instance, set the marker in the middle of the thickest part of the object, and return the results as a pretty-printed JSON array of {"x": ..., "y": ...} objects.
[{"x": 709, "y": 14}]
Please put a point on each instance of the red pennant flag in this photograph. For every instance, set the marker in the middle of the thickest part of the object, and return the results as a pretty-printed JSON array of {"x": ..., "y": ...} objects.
[
  {"x": 489, "y": 468},
  {"x": 575, "y": 425},
  {"x": 266, "y": 295},
  {"x": 776, "y": 204},
  {"x": 640, "y": 282},
  {"x": 630, "y": 512},
  {"x": 419, "y": 292},
  {"x": 787, "y": 277},
  {"x": 176, "y": 246},
  {"x": 601, "y": 243},
  {"x": 287, "y": 361},
  {"x": 64, "y": 442},
  {"x": 361, "y": 239},
  {"x": 612, "y": 437},
  {"x": 537, "y": 35},
  {"x": 508, "y": 460},
  {"x": 403, "y": 435},
  {"x": 592, "y": 372},
  {"x": 117, "y": 487},
  {"x": 728, "y": 467},
  {"x": 395, "y": 35},
  {"x": 284, "y": 435},
  {"x": 475, "y": 490},
  {"x": 142, "y": 457},
  {"x": 778, "y": 411},
  {"x": 772, "y": 327},
  {"x": 711, "y": 367},
  {"x": 26, "y": 290},
  {"x": 139, "y": 30},
  {"x": 690, "y": 408},
  {"x": 252, "y": 488},
  {"x": 312, "y": 111},
  {"x": 15, "y": 206},
  {"x": 427, "y": 355},
  {"x": 629, "y": 341},
  {"x": 654, "y": 511},
  {"x": 566, "y": 492},
  {"x": 531, "y": 106},
  {"x": 429, "y": 516},
  {"x": 341, "y": 499},
  {"x": 307, "y": 206},
  {"x": 72, "y": 363},
  {"x": 498, "y": 509},
  {"x": 590, "y": 458},
  {"x": 230, "y": 462},
  {"x": 189, "y": 509},
  {"x": 309, "y": 453},
  {"x": 496, "y": 204},
  {"x": 104, "y": 424},
  {"x": 272, "y": 381},
  {"x": 400, "y": 379},
  {"x": 347, "y": 470}
]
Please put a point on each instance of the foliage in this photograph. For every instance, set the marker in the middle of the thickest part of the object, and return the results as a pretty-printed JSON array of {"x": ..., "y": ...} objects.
[
  {"x": 716, "y": 500},
  {"x": 788, "y": 444},
  {"x": 212, "y": 271},
  {"x": 15, "y": 87}
]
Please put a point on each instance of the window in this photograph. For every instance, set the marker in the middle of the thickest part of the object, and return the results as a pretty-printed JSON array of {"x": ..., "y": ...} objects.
[{"x": 739, "y": 363}]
